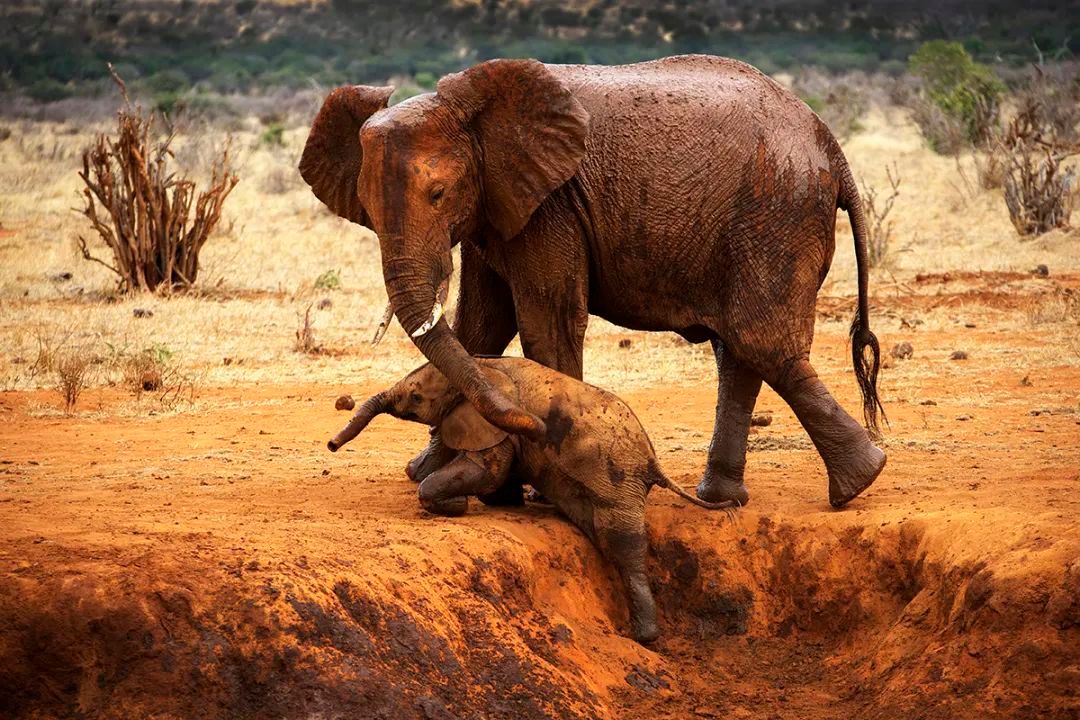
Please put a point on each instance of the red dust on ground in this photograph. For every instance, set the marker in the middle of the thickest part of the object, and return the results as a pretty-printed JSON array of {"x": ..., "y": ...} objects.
[{"x": 220, "y": 563}]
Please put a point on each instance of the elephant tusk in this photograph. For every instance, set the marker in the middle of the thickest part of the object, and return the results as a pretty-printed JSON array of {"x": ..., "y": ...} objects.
[
  {"x": 436, "y": 309},
  {"x": 436, "y": 315},
  {"x": 388, "y": 314}
]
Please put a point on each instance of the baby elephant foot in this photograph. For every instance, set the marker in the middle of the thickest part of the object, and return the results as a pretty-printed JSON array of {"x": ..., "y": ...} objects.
[
  {"x": 719, "y": 486},
  {"x": 848, "y": 478},
  {"x": 451, "y": 507}
]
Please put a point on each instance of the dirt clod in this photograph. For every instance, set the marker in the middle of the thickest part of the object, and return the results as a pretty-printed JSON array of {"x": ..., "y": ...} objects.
[
  {"x": 624, "y": 343},
  {"x": 761, "y": 419},
  {"x": 345, "y": 402},
  {"x": 958, "y": 355},
  {"x": 142, "y": 312},
  {"x": 150, "y": 380},
  {"x": 902, "y": 351}
]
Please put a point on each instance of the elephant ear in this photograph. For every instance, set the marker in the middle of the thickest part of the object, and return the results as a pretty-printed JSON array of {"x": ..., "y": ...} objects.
[
  {"x": 331, "y": 160},
  {"x": 466, "y": 429},
  {"x": 531, "y": 130}
]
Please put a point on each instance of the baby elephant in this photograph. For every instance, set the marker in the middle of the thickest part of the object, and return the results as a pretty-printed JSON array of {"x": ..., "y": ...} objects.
[{"x": 595, "y": 462}]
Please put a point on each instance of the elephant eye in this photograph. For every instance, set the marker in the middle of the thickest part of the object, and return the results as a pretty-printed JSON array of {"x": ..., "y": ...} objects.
[
  {"x": 436, "y": 194},
  {"x": 416, "y": 398}
]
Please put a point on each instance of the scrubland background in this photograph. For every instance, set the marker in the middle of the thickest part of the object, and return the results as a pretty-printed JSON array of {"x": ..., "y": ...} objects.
[{"x": 289, "y": 291}]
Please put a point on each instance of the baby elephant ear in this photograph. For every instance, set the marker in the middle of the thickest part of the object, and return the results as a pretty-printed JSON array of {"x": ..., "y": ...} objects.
[
  {"x": 332, "y": 156},
  {"x": 466, "y": 429}
]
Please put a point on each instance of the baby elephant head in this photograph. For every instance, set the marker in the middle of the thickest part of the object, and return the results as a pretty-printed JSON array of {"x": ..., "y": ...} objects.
[
  {"x": 426, "y": 396},
  {"x": 423, "y": 396}
]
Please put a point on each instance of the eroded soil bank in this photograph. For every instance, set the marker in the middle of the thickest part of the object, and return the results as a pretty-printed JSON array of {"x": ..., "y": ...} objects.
[{"x": 219, "y": 563}]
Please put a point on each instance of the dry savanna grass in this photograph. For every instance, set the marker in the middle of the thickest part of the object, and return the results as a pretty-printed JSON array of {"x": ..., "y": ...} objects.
[{"x": 288, "y": 291}]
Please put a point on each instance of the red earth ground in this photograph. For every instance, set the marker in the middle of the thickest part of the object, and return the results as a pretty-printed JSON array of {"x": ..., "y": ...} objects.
[{"x": 220, "y": 563}]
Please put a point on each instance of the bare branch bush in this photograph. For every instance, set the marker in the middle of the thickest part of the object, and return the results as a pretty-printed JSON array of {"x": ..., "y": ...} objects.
[
  {"x": 1034, "y": 145},
  {"x": 156, "y": 370},
  {"x": 877, "y": 209},
  {"x": 150, "y": 218},
  {"x": 305, "y": 335},
  {"x": 72, "y": 371}
]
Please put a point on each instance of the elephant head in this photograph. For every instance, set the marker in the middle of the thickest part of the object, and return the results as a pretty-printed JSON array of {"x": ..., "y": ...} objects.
[
  {"x": 478, "y": 155},
  {"x": 426, "y": 396}
]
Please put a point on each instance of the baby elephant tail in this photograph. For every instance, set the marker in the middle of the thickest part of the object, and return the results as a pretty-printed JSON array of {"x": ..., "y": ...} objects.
[{"x": 659, "y": 478}]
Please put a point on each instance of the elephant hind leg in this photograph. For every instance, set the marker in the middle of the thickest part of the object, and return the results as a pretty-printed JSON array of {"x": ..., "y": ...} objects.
[
  {"x": 737, "y": 392},
  {"x": 851, "y": 459},
  {"x": 446, "y": 491},
  {"x": 624, "y": 544}
]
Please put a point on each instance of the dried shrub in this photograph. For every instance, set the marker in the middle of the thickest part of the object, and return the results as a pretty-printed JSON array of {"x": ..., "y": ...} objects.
[
  {"x": 839, "y": 102},
  {"x": 305, "y": 335},
  {"x": 990, "y": 167},
  {"x": 155, "y": 369},
  {"x": 145, "y": 371},
  {"x": 880, "y": 228},
  {"x": 1056, "y": 308},
  {"x": 278, "y": 181},
  {"x": 1039, "y": 190},
  {"x": 72, "y": 371},
  {"x": 149, "y": 217}
]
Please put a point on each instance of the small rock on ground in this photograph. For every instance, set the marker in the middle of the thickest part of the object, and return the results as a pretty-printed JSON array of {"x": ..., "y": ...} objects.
[{"x": 902, "y": 351}]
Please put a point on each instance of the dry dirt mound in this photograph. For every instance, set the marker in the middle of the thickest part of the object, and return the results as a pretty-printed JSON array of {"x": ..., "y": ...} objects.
[
  {"x": 220, "y": 563},
  {"x": 525, "y": 622}
]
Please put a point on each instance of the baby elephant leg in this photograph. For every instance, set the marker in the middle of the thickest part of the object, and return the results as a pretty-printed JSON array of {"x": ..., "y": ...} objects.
[
  {"x": 624, "y": 543},
  {"x": 446, "y": 491}
]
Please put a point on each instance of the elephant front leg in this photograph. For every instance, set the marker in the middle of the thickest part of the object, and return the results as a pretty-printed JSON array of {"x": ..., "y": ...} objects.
[
  {"x": 446, "y": 491},
  {"x": 737, "y": 393},
  {"x": 485, "y": 324}
]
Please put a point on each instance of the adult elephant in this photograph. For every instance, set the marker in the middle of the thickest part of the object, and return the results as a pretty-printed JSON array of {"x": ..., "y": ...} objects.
[{"x": 690, "y": 194}]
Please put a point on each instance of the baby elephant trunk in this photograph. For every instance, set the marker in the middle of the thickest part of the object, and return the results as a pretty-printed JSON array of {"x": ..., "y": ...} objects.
[{"x": 373, "y": 406}]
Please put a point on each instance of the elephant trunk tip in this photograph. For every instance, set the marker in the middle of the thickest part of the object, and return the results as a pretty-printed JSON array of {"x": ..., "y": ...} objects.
[{"x": 333, "y": 446}]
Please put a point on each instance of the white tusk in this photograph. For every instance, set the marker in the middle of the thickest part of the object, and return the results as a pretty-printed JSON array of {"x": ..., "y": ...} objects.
[
  {"x": 436, "y": 315},
  {"x": 388, "y": 315}
]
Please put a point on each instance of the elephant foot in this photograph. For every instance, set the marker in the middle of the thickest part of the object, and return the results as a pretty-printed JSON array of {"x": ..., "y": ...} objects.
[
  {"x": 847, "y": 481},
  {"x": 451, "y": 507},
  {"x": 646, "y": 633},
  {"x": 722, "y": 487},
  {"x": 430, "y": 459}
]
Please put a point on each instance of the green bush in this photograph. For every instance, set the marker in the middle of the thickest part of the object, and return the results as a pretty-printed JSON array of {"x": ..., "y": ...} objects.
[
  {"x": 273, "y": 135},
  {"x": 405, "y": 92},
  {"x": 329, "y": 280},
  {"x": 168, "y": 81},
  {"x": 48, "y": 90},
  {"x": 965, "y": 92},
  {"x": 426, "y": 80}
]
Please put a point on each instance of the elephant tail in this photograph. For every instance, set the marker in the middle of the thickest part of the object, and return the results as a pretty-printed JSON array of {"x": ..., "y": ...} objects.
[
  {"x": 659, "y": 478},
  {"x": 866, "y": 368}
]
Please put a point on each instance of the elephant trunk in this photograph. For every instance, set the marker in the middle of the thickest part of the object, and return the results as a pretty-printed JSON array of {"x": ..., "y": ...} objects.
[
  {"x": 412, "y": 289},
  {"x": 375, "y": 405}
]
